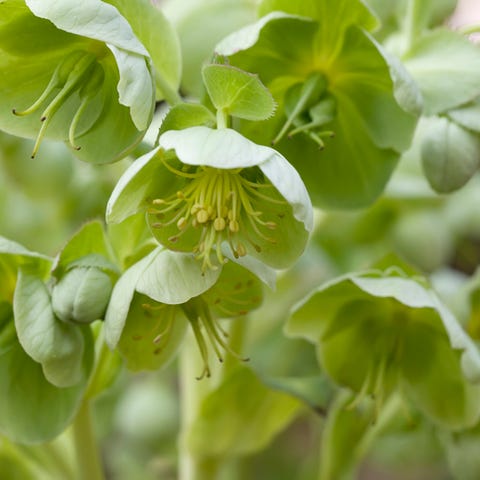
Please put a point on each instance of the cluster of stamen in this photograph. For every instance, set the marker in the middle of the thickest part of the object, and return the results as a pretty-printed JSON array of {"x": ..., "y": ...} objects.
[
  {"x": 220, "y": 204},
  {"x": 77, "y": 72},
  {"x": 207, "y": 331}
]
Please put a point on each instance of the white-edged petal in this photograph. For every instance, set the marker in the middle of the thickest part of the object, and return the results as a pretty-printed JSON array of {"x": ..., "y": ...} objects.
[
  {"x": 136, "y": 88},
  {"x": 89, "y": 18},
  {"x": 248, "y": 36},
  {"x": 222, "y": 148},
  {"x": 289, "y": 184},
  {"x": 121, "y": 205}
]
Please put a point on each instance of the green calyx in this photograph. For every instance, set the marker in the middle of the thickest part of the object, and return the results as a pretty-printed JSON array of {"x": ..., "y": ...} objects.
[{"x": 78, "y": 72}]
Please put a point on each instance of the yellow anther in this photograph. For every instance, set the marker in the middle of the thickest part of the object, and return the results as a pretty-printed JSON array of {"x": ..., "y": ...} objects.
[
  {"x": 271, "y": 225},
  {"x": 180, "y": 194},
  {"x": 234, "y": 226},
  {"x": 202, "y": 216},
  {"x": 219, "y": 224},
  {"x": 182, "y": 223},
  {"x": 241, "y": 250},
  {"x": 158, "y": 201},
  {"x": 196, "y": 207}
]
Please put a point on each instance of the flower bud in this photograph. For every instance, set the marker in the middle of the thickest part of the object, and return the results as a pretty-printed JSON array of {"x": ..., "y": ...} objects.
[{"x": 82, "y": 295}]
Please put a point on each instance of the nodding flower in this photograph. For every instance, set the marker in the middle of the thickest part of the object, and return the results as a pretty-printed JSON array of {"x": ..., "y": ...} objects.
[
  {"x": 70, "y": 79},
  {"x": 213, "y": 191},
  {"x": 147, "y": 321}
]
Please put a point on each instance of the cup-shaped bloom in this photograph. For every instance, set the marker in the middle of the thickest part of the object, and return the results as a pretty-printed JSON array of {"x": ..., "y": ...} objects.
[
  {"x": 206, "y": 189},
  {"x": 325, "y": 82},
  {"x": 381, "y": 331},
  {"x": 70, "y": 77},
  {"x": 156, "y": 299}
]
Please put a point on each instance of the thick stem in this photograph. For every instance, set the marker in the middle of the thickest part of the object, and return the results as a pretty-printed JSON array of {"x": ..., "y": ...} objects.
[
  {"x": 88, "y": 458},
  {"x": 413, "y": 25}
]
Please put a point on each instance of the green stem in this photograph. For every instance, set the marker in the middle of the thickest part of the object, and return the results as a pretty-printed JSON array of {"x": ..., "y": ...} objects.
[
  {"x": 469, "y": 29},
  {"x": 413, "y": 22},
  {"x": 88, "y": 458},
  {"x": 222, "y": 119}
]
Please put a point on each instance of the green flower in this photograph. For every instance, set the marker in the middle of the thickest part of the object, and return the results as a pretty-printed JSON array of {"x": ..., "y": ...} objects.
[
  {"x": 157, "y": 298},
  {"x": 381, "y": 331},
  {"x": 337, "y": 95},
  {"x": 70, "y": 77},
  {"x": 204, "y": 189}
]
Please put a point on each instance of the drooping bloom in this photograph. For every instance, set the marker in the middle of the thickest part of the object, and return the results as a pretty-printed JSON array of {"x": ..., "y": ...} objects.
[
  {"x": 157, "y": 298},
  {"x": 70, "y": 77},
  {"x": 209, "y": 191}
]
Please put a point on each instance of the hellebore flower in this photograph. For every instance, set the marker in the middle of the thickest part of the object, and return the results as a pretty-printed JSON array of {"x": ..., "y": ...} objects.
[
  {"x": 203, "y": 188},
  {"x": 399, "y": 336},
  {"x": 157, "y": 298},
  {"x": 328, "y": 82},
  {"x": 70, "y": 77}
]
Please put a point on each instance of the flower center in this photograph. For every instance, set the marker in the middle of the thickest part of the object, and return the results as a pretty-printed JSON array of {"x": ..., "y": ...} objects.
[
  {"x": 221, "y": 205},
  {"x": 77, "y": 72}
]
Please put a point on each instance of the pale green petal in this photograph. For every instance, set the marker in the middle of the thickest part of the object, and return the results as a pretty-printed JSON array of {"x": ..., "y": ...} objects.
[
  {"x": 222, "y": 148},
  {"x": 89, "y": 18},
  {"x": 136, "y": 87},
  {"x": 174, "y": 278},
  {"x": 128, "y": 196}
]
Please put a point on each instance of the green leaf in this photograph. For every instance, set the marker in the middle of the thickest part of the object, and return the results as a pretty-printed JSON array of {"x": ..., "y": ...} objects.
[
  {"x": 32, "y": 410},
  {"x": 186, "y": 115},
  {"x": 238, "y": 93},
  {"x": 59, "y": 347},
  {"x": 240, "y": 417},
  {"x": 88, "y": 242},
  {"x": 450, "y": 154},
  {"x": 446, "y": 67}
]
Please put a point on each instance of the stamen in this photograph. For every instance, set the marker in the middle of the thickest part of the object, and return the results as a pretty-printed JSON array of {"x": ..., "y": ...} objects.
[
  {"x": 80, "y": 69},
  {"x": 218, "y": 203},
  {"x": 86, "y": 93}
]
